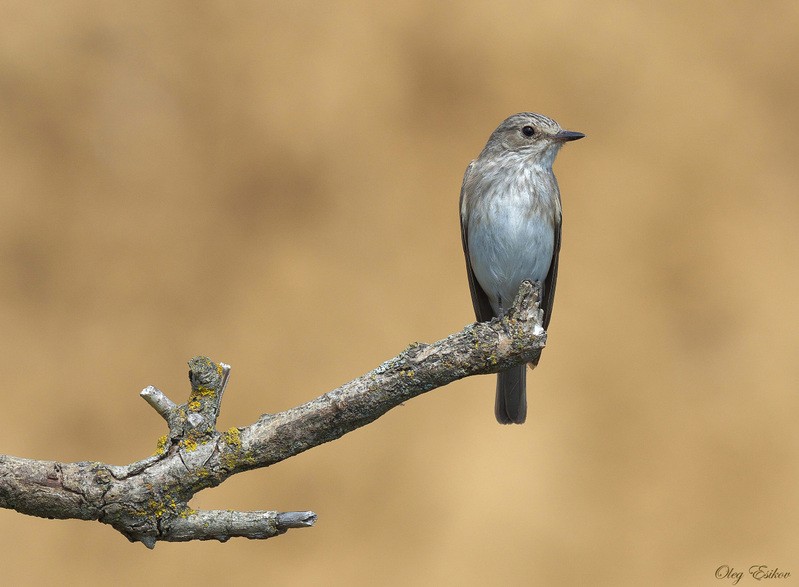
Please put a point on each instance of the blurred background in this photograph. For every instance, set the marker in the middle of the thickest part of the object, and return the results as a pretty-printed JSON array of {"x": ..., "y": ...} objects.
[{"x": 275, "y": 184}]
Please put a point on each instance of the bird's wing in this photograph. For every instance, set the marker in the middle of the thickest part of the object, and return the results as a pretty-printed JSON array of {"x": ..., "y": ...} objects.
[
  {"x": 482, "y": 307},
  {"x": 549, "y": 283}
]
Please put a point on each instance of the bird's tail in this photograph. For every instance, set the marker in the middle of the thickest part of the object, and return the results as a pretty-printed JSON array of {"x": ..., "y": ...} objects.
[{"x": 511, "y": 403}]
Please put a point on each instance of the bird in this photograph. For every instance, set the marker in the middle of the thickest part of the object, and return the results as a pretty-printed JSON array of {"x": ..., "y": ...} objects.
[{"x": 510, "y": 212}]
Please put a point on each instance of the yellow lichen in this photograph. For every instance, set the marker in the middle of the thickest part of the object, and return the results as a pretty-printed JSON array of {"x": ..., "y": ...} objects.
[
  {"x": 189, "y": 443},
  {"x": 232, "y": 457},
  {"x": 160, "y": 447},
  {"x": 168, "y": 506},
  {"x": 206, "y": 392},
  {"x": 157, "y": 509},
  {"x": 232, "y": 438}
]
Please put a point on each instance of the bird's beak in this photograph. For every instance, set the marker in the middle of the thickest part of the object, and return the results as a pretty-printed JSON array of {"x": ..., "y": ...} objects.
[{"x": 569, "y": 135}]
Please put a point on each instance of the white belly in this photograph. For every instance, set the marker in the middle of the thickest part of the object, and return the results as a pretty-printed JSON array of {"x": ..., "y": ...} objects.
[{"x": 507, "y": 246}]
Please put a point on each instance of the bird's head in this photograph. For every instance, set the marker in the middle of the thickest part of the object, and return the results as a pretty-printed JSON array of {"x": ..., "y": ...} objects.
[{"x": 530, "y": 135}]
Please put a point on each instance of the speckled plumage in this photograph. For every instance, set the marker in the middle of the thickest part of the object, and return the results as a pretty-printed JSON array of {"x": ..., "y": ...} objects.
[{"x": 510, "y": 224}]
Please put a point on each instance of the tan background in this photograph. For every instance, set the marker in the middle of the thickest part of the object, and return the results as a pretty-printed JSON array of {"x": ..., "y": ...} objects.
[{"x": 275, "y": 184}]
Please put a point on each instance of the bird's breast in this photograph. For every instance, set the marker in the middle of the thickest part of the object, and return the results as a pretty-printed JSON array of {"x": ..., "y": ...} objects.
[{"x": 511, "y": 233}]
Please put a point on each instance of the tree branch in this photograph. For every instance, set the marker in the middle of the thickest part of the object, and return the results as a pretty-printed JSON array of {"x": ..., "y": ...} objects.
[{"x": 147, "y": 501}]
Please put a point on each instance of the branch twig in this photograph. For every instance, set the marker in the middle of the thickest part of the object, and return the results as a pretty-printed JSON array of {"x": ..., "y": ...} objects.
[{"x": 147, "y": 501}]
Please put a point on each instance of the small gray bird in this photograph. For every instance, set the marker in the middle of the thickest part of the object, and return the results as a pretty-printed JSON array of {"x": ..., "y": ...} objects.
[{"x": 510, "y": 225}]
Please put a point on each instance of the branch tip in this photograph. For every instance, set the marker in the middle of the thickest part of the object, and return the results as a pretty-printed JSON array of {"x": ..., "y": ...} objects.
[
  {"x": 296, "y": 519},
  {"x": 528, "y": 300},
  {"x": 203, "y": 374},
  {"x": 222, "y": 525},
  {"x": 225, "y": 369},
  {"x": 158, "y": 401}
]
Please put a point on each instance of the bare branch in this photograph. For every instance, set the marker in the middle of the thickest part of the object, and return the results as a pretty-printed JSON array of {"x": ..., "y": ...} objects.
[
  {"x": 160, "y": 403},
  {"x": 147, "y": 501},
  {"x": 222, "y": 524}
]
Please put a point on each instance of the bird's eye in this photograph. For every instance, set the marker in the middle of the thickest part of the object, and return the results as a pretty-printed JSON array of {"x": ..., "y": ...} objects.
[{"x": 528, "y": 131}]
